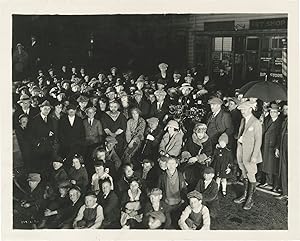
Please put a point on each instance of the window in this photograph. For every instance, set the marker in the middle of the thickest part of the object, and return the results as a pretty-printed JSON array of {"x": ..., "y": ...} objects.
[
  {"x": 252, "y": 43},
  {"x": 223, "y": 44}
]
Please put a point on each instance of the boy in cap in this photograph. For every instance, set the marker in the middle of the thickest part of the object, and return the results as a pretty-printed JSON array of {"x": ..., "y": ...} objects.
[
  {"x": 90, "y": 215},
  {"x": 156, "y": 204},
  {"x": 248, "y": 152},
  {"x": 209, "y": 190},
  {"x": 195, "y": 216}
]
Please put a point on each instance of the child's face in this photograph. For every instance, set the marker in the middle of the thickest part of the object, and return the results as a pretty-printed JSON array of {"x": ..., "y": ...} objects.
[
  {"x": 90, "y": 201},
  {"x": 155, "y": 198},
  {"x": 101, "y": 155},
  {"x": 162, "y": 165},
  {"x": 222, "y": 144},
  {"x": 154, "y": 223},
  {"x": 208, "y": 176},
  {"x": 99, "y": 170},
  {"x": 194, "y": 202}
]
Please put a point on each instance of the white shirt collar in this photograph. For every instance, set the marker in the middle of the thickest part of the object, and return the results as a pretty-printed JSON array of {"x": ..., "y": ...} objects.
[
  {"x": 43, "y": 116},
  {"x": 215, "y": 114}
]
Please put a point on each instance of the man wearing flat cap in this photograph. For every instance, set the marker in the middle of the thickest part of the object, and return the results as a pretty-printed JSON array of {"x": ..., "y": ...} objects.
[
  {"x": 219, "y": 122},
  {"x": 43, "y": 136},
  {"x": 248, "y": 152}
]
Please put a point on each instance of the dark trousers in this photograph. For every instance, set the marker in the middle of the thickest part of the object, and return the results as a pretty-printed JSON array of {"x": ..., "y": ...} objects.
[{"x": 175, "y": 213}]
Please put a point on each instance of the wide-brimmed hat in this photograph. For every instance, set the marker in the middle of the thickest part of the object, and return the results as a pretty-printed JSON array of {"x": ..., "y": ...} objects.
[
  {"x": 200, "y": 127},
  {"x": 186, "y": 86},
  {"x": 215, "y": 100},
  {"x": 274, "y": 106},
  {"x": 163, "y": 66},
  {"x": 172, "y": 123},
  {"x": 34, "y": 177},
  {"x": 161, "y": 81},
  {"x": 59, "y": 159},
  {"x": 246, "y": 105},
  {"x": 153, "y": 120},
  {"x": 160, "y": 93},
  {"x": 23, "y": 98},
  {"x": 45, "y": 103}
]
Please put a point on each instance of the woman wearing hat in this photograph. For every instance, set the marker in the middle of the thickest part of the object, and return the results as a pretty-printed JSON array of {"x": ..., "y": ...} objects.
[
  {"x": 101, "y": 108},
  {"x": 171, "y": 142},
  {"x": 197, "y": 152},
  {"x": 114, "y": 125},
  {"x": 134, "y": 134}
]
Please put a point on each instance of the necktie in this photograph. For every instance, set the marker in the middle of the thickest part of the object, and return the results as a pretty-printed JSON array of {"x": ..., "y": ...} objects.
[
  {"x": 45, "y": 119},
  {"x": 90, "y": 122}
]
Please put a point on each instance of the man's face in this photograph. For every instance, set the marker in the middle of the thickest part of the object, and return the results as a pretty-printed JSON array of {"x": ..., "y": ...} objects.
[
  {"x": 91, "y": 113},
  {"x": 33, "y": 184},
  {"x": 231, "y": 105},
  {"x": 58, "y": 108},
  {"x": 83, "y": 104},
  {"x": 176, "y": 76},
  {"x": 111, "y": 95},
  {"x": 71, "y": 112},
  {"x": 45, "y": 110},
  {"x": 285, "y": 110},
  {"x": 208, "y": 176},
  {"x": 246, "y": 112},
  {"x": 138, "y": 97},
  {"x": 109, "y": 146},
  {"x": 74, "y": 195},
  {"x": 172, "y": 165},
  {"x": 90, "y": 201},
  {"x": 64, "y": 68},
  {"x": 153, "y": 125},
  {"x": 63, "y": 191},
  {"x": 56, "y": 165},
  {"x": 274, "y": 113},
  {"x": 140, "y": 85},
  {"x": 215, "y": 107},
  {"x": 25, "y": 104},
  {"x": 73, "y": 69},
  {"x": 106, "y": 187}
]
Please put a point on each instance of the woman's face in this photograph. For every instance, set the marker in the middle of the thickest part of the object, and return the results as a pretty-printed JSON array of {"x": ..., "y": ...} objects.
[
  {"x": 135, "y": 115},
  {"x": 100, "y": 155},
  {"x": 134, "y": 186},
  {"x": 113, "y": 107},
  {"x": 102, "y": 105},
  {"x": 76, "y": 163},
  {"x": 200, "y": 134},
  {"x": 74, "y": 195},
  {"x": 63, "y": 191},
  {"x": 58, "y": 108},
  {"x": 24, "y": 121},
  {"x": 128, "y": 171},
  {"x": 171, "y": 130}
]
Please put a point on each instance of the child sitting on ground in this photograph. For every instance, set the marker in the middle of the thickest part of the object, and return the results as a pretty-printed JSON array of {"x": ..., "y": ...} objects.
[{"x": 195, "y": 216}]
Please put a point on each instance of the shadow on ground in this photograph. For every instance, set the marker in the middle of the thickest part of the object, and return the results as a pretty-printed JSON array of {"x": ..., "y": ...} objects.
[{"x": 267, "y": 213}]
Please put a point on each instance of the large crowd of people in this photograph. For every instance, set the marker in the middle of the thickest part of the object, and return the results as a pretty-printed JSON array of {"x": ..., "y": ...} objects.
[{"x": 126, "y": 150}]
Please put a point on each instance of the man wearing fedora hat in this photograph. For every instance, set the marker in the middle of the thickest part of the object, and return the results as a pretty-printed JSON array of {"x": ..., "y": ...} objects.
[
  {"x": 248, "y": 152},
  {"x": 24, "y": 107},
  {"x": 271, "y": 138},
  {"x": 43, "y": 136},
  {"x": 71, "y": 134},
  {"x": 160, "y": 107}
]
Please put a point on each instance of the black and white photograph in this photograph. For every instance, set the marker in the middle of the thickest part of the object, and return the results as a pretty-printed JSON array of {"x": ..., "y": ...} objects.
[{"x": 150, "y": 121}]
